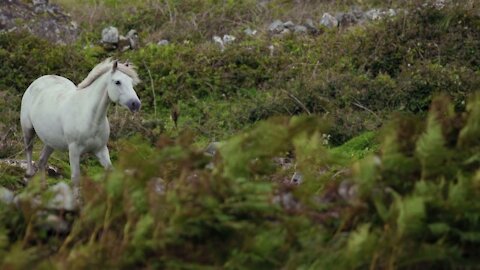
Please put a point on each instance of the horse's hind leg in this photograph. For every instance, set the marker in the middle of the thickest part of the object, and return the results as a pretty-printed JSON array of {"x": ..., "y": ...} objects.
[
  {"x": 42, "y": 162},
  {"x": 28, "y": 136}
]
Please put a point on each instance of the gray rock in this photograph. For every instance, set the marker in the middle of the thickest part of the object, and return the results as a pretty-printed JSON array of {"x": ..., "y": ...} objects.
[
  {"x": 17, "y": 16},
  {"x": 290, "y": 25},
  {"x": 297, "y": 178},
  {"x": 55, "y": 223},
  {"x": 300, "y": 29},
  {"x": 346, "y": 19},
  {"x": 219, "y": 41},
  {"x": 110, "y": 35},
  {"x": 276, "y": 27},
  {"x": 373, "y": 14},
  {"x": 358, "y": 13},
  {"x": 123, "y": 43},
  {"x": 133, "y": 39},
  {"x": 163, "y": 42},
  {"x": 6, "y": 196},
  {"x": 212, "y": 148},
  {"x": 249, "y": 32},
  {"x": 391, "y": 12},
  {"x": 63, "y": 197},
  {"x": 228, "y": 39},
  {"x": 39, "y": 2},
  {"x": 287, "y": 201},
  {"x": 329, "y": 21},
  {"x": 285, "y": 31}
]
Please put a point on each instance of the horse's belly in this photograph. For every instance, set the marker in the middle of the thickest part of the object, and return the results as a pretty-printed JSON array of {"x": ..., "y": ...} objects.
[{"x": 52, "y": 136}]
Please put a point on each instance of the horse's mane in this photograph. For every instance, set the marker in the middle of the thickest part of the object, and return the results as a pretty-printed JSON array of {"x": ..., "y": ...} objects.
[{"x": 106, "y": 66}]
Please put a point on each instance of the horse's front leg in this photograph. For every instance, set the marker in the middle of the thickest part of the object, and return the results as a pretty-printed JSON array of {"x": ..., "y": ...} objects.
[
  {"x": 104, "y": 158},
  {"x": 74, "y": 152}
]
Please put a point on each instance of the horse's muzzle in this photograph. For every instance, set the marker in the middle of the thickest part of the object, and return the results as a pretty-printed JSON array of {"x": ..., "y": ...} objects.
[{"x": 134, "y": 105}]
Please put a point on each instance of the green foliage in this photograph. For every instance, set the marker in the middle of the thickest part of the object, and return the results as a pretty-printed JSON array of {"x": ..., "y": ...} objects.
[{"x": 408, "y": 202}]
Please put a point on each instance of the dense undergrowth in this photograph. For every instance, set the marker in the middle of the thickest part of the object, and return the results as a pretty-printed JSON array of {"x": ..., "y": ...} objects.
[{"x": 400, "y": 194}]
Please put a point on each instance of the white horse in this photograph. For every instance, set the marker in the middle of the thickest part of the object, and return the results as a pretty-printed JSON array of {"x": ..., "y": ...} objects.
[{"x": 67, "y": 117}]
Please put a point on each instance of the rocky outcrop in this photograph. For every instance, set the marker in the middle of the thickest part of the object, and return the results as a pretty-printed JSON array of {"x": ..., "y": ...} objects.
[
  {"x": 341, "y": 19},
  {"x": 111, "y": 39},
  {"x": 40, "y": 18}
]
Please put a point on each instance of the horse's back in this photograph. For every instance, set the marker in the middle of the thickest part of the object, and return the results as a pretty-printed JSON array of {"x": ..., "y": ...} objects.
[{"x": 41, "y": 102}]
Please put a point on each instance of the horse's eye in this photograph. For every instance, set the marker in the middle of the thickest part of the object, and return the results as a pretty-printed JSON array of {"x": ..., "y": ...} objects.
[{"x": 118, "y": 82}]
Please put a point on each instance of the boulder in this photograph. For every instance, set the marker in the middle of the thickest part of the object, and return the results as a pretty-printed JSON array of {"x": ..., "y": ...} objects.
[
  {"x": 211, "y": 149},
  {"x": 63, "y": 198},
  {"x": 329, "y": 21},
  {"x": 311, "y": 28},
  {"x": 300, "y": 29},
  {"x": 346, "y": 19},
  {"x": 40, "y": 18},
  {"x": 373, "y": 14},
  {"x": 163, "y": 42},
  {"x": 249, "y": 32},
  {"x": 290, "y": 25},
  {"x": 228, "y": 39},
  {"x": 297, "y": 178},
  {"x": 219, "y": 41},
  {"x": 6, "y": 196},
  {"x": 110, "y": 35},
  {"x": 133, "y": 39},
  {"x": 276, "y": 27}
]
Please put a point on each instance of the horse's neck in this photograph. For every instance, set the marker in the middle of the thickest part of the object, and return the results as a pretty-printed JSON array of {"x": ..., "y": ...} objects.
[{"x": 96, "y": 99}]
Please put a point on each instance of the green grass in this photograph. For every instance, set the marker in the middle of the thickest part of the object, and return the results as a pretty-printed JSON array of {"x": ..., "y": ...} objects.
[{"x": 359, "y": 146}]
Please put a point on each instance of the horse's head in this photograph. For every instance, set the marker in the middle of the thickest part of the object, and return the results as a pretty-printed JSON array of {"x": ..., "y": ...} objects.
[{"x": 120, "y": 87}]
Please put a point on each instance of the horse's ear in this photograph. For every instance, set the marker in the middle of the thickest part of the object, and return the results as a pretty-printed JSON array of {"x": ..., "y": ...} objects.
[{"x": 115, "y": 65}]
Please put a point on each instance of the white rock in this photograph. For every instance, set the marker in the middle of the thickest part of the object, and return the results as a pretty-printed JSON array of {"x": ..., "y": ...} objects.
[
  {"x": 228, "y": 39},
  {"x": 250, "y": 32},
  {"x": 373, "y": 14},
  {"x": 218, "y": 40},
  {"x": 63, "y": 197},
  {"x": 289, "y": 25},
  {"x": 6, "y": 196},
  {"x": 329, "y": 21},
  {"x": 110, "y": 35},
  {"x": 163, "y": 42},
  {"x": 276, "y": 27},
  {"x": 300, "y": 29},
  {"x": 297, "y": 178}
]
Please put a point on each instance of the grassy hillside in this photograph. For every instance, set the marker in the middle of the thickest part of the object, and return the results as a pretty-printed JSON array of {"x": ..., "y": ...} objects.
[{"x": 380, "y": 119}]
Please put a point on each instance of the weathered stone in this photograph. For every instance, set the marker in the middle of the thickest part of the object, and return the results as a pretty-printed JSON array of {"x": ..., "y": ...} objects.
[
  {"x": 110, "y": 35},
  {"x": 218, "y": 40},
  {"x": 228, "y": 39},
  {"x": 290, "y": 25},
  {"x": 358, "y": 13},
  {"x": 123, "y": 43},
  {"x": 300, "y": 29},
  {"x": 297, "y": 178},
  {"x": 373, "y": 14},
  {"x": 133, "y": 39},
  {"x": 163, "y": 42},
  {"x": 16, "y": 15},
  {"x": 285, "y": 31},
  {"x": 276, "y": 27},
  {"x": 211, "y": 149},
  {"x": 329, "y": 21},
  {"x": 346, "y": 19},
  {"x": 39, "y": 2},
  {"x": 6, "y": 196},
  {"x": 250, "y": 32},
  {"x": 63, "y": 197},
  {"x": 55, "y": 223}
]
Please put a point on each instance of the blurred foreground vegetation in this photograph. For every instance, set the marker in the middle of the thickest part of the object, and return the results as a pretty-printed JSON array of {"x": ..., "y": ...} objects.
[{"x": 393, "y": 186}]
